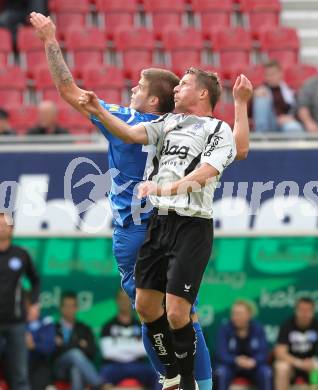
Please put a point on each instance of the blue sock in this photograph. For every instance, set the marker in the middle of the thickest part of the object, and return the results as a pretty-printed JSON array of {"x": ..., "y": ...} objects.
[
  {"x": 156, "y": 363},
  {"x": 203, "y": 370}
]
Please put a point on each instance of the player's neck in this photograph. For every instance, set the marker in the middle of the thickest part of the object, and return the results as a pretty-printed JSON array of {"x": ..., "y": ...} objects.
[{"x": 198, "y": 110}]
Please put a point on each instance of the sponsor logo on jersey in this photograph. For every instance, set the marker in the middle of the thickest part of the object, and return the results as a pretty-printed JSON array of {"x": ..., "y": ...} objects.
[
  {"x": 175, "y": 150},
  {"x": 15, "y": 263},
  {"x": 212, "y": 145}
]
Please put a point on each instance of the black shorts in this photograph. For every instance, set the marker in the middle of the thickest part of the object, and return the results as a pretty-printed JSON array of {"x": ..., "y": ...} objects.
[{"x": 174, "y": 255}]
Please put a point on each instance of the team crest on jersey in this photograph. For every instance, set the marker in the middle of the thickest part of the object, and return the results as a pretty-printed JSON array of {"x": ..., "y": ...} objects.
[{"x": 15, "y": 263}]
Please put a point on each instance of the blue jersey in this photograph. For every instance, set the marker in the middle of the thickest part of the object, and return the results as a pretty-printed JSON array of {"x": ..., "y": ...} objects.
[{"x": 131, "y": 161}]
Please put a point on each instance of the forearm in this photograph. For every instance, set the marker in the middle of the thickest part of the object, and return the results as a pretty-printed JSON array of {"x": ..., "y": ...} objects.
[
  {"x": 305, "y": 116},
  {"x": 60, "y": 72},
  {"x": 241, "y": 130},
  {"x": 119, "y": 128},
  {"x": 190, "y": 183}
]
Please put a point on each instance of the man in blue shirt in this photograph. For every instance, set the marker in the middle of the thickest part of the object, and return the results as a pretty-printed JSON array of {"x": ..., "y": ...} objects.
[{"x": 152, "y": 97}]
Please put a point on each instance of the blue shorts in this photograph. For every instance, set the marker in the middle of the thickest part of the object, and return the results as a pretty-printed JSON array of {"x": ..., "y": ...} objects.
[{"x": 126, "y": 244}]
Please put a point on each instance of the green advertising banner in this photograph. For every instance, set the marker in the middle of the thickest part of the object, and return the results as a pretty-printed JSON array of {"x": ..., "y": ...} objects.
[{"x": 270, "y": 271}]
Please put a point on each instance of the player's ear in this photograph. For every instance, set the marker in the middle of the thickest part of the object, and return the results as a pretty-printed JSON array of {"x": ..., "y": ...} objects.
[
  {"x": 204, "y": 94},
  {"x": 154, "y": 101}
]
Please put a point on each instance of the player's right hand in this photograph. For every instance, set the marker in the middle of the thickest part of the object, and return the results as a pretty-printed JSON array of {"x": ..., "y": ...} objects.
[
  {"x": 43, "y": 25},
  {"x": 89, "y": 101}
]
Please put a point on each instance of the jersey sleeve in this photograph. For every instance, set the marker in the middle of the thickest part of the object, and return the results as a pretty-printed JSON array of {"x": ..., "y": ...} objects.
[
  {"x": 154, "y": 129},
  {"x": 126, "y": 114},
  {"x": 220, "y": 148}
]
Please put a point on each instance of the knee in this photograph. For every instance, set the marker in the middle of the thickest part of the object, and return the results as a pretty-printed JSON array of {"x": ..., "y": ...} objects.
[
  {"x": 76, "y": 356},
  {"x": 282, "y": 368},
  {"x": 146, "y": 311},
  {"x": 264, "y": 371},
  {"x": 177, "y": 317}
]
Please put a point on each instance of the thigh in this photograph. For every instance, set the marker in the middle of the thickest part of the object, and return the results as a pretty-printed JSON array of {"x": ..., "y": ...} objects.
[
  {"x": 126, "y": 244},
  {"x": 114, "y": 372},
  {"x": 189, "y": 257},
  {"x": 151, "y": 265}
]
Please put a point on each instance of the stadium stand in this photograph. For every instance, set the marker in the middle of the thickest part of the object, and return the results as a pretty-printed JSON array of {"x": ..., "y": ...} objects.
[{"x": 130, "y": 36}]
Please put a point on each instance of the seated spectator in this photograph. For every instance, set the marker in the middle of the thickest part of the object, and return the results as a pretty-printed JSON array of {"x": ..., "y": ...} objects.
[
  {"x": 122, "y": 349},
  {"x": 40, "y": 340},
  {"x": 75, "y": 348},
  {"x": 297, "y": 345},
  {"x": 5, "y": 128},
  {"x": 15, "y": 12},
  {"x": 47, "y": 120},
  {"x": 308, "y": 105},
  {"x": 241, "y": 350},
  {"x": 274, "y": 103}
]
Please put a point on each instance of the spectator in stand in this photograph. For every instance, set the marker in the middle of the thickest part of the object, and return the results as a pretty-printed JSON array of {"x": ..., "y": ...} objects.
[
  {"x": 5, "y": 128},
  {"x": 308, "y": 105},
  {"x": 40, "y": 340},
  {"x": 15, "y": 263},
  {"x": 15, "y": 12},
  {"x": 297, "y": 344},
  {"x": 274, "y": 103},
  {"x": 122, "y": 349},
  {"x": 241, "y": 350},
  {"x": 75, "y": 348},
  {"x": 47, "y": 120}
]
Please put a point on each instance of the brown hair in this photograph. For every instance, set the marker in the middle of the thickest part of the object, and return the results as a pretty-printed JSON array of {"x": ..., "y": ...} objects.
[
  {"x": 161, "y": 84},
  {"x": 272, "y": 64},
  {"x": 8, "y": 217},
  {"x": 210, "y": 81}
]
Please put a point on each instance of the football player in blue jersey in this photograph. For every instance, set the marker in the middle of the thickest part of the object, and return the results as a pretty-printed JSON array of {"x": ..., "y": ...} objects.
[{"x": 152, "y": 97}]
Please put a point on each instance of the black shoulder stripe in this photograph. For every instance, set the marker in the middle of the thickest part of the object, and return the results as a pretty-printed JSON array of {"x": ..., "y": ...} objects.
[
  {"x": 217, "y": 129},
  {"x": 160, "y": 119},
  {"x": 155, "y": 163},
  {"x": 192, "y": 165}
]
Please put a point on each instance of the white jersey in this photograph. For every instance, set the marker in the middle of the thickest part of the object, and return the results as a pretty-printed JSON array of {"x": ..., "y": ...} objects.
[{"x": 183, "y": 142}]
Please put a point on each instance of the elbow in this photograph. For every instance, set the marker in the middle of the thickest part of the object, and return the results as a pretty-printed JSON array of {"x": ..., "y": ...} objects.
[{"x": 242, "y": 154}]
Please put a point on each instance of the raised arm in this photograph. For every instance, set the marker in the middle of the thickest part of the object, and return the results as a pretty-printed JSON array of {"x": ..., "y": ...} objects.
[
  {"x": 130, "y": 134},
  {"x": 60, "y": 72},
  {"x": 242, "y": 93}
]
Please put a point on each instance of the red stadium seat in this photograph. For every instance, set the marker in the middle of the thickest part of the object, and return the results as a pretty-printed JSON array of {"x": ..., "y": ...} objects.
[
  {"x": 30, "y": 48},
  {"x": 103, "y": 77},
  {"x": 234, "y": 46},
  {"x": 254, "y": 73},
  {"x": 281, "y": 44},
  {"x": 69, "y": 14},
  {"x": 5, "y": 46},
  {"x": 12, "y": 85},
  {"x": 74, "y": 121},
  {"x": 23, "y": 117},
  {"x": 184, "y": 47},
  {"x": 87, "y": 46},
  {"x": 241, "y": 382},
  {"x": 109, "y": 95},
  {"x": 116, "y": 14},
  {"x": 296, "y": 75},
  {"x": 213, "y": 10},
  {"x": 129, "y": 383},
  {"x": 43, "y": 79},
  {"x": 137, "y": 47},
  {"x": 262, "y": 14},
  {"x": 225, "y": 112},
  {"x": 165, "y": 14}
]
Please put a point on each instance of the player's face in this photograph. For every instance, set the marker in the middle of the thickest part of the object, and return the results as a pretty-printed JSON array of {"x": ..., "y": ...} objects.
[
  {"x": 186, "y": 94},
  {"x": 304, "y": 314},
  {"x": 140, "y": 96},
  {"x": 240, "y": 316}
]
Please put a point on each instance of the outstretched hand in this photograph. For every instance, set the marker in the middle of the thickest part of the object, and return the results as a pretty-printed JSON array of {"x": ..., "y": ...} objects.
[
  {"x": 243, "y": 89},
  {"x": 89, "y": 101},
  {"x": 43, "y": 25}
]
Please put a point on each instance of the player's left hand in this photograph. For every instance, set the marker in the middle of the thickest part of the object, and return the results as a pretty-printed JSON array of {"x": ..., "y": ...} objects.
[
  {"x": 147, "y": 188},
  {"x": 243, "y": 89},
  {"x": 43, "y": 25}
]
